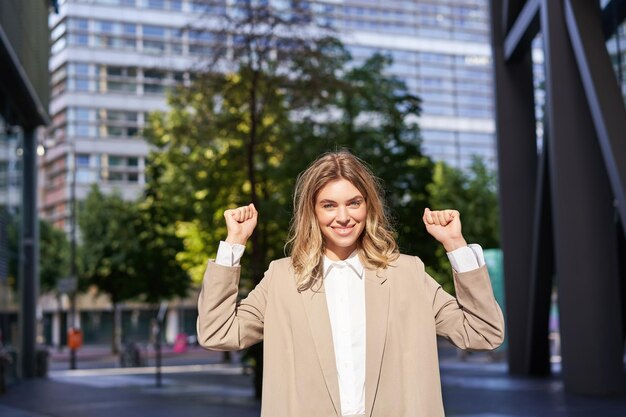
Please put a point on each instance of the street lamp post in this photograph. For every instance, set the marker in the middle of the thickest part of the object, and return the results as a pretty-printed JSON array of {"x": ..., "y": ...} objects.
[{"x": 73, "y": 271}]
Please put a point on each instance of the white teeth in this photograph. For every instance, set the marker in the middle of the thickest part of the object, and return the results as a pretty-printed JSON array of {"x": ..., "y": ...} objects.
[{"x": 342, "y": 230}]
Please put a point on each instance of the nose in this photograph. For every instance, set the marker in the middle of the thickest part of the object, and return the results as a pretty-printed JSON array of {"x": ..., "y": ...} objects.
[{"x": 342, "y": 215}]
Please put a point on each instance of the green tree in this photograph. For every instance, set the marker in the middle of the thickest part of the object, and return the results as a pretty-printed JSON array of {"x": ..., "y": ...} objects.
[
  {"x": 54, "y": 262},
  {"x": 223, "y": 144},
  {"x": 474, "y": 194},
  {"x": 161, "y": 275},
  {"x": 53, "y": 254},
  {"x": 109, "y": 250},
  {"x": 129, "y": 251},
  {"x": 378, "y": 123}
]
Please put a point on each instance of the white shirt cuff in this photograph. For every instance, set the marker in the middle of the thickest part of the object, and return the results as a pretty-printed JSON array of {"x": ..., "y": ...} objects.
[
  {"x": 467, "y": 258},
  {"x": 229, "y": 255}
]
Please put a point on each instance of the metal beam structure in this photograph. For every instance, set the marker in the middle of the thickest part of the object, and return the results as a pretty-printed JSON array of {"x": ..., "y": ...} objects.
[
  {"x": 563, "y": 206},
  {"x": 517, "y": 167},
  {"x": 537, "y": 347},
  {"x": 603, "y": 92},
  {"x": 524, "y": 29}
]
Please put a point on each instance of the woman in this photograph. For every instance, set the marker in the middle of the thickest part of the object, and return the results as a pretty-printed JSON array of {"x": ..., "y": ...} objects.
[{"x": 349, "y": 324}]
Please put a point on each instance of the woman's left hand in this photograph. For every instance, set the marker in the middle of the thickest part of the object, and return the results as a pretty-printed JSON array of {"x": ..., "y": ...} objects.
[{"x": 445, "y": 226}]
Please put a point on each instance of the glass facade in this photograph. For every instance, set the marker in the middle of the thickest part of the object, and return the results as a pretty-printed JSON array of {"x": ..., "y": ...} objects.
[{"x": 10, "y": 209}]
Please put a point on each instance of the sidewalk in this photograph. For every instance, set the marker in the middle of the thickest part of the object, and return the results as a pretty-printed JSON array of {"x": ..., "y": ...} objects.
[
  {"x": 474, "y": 388},
  {"x": 188, "y": 390}
]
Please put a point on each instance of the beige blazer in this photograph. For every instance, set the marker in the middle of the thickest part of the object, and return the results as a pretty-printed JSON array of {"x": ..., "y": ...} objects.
[{"x": 405, "y": 310}]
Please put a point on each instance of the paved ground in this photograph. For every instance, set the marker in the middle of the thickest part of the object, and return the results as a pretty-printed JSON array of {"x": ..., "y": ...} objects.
[{"x": 195, "y": 384}]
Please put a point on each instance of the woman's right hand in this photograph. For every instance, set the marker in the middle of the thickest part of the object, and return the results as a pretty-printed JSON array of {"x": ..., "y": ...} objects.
[{"x": 240, "y": 223}]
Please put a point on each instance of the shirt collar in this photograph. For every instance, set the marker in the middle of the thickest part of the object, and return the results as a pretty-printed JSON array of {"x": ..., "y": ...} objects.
[{"x": 352, "y": 261}]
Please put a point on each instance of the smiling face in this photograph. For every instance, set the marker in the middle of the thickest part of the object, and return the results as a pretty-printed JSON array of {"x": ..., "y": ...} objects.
[{"x": 341, "y": 212}]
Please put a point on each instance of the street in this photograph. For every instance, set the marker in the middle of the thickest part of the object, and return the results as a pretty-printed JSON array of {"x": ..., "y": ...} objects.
[{"x": 195, "y": 383}]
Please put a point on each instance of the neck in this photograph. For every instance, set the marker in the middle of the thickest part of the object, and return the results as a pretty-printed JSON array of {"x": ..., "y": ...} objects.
[{"x": 339, "y": 254}]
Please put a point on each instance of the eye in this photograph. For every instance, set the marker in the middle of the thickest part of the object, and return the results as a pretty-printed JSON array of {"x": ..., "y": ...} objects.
[
  {"x": 327, "y": 205},
  {"x": 356, "y": 203}
]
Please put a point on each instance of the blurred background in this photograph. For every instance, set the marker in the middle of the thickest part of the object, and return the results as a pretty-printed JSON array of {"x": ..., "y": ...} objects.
[{"x": 127, "y": 127}]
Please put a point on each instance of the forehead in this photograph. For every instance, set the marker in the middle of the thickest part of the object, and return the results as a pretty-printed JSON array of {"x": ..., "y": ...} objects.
[{"x": 338, "y": 190}]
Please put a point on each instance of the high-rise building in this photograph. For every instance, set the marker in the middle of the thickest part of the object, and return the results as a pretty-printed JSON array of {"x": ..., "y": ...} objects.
[{"x": 113, "y": 60}]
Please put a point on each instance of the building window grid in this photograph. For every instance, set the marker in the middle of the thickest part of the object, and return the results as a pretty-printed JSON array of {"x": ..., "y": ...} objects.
[
  {"x": 454, "y": 94},
  {"x": 119, "y": 168},
  {"x": 114, "y": 79},
  {"x": 96, "y": 123},
  {"x": 465, "y": 83},
  {"x": 433, "y": 20}
]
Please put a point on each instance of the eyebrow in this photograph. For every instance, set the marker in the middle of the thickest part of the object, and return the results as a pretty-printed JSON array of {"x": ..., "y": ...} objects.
[{"x": 357, "y": 197}]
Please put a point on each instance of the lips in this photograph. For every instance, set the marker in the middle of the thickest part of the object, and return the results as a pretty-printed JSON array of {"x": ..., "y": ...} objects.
[{"x": 343, "y": 231}]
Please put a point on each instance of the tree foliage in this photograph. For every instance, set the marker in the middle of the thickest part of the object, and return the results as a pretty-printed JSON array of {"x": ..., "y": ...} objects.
[
  {"x": 128, "y": 250},
  {"x": 53, "y": 254},
  {"x": 109, "y": 248},
  {"x": 474, "y": 194},
  {"x": 208, "y": 161}
]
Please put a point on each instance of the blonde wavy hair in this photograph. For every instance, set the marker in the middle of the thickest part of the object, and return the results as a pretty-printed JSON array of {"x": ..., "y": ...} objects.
[{"x": 376, "y": 246}]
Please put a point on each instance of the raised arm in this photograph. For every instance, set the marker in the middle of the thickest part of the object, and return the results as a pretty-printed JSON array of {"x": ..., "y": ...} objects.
[
  {"x": 222, "y": 323},
  {"x": 473, "y": 320}
]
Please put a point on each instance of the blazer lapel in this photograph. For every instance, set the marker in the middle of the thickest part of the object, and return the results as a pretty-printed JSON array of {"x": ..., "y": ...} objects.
[
  {"x": 319, "y": 322},
  {"x": 376, "y": 312}
]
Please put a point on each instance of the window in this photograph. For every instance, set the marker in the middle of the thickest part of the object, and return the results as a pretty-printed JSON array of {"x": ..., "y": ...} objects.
[
  {"x": 79, "y": 121},
  {"x": 82, "y": 160},
  {"x": 129, "y": 28},
  {"x": 155, "y": 4},
  {"x": 115, "y": 176},
  {"x": 154, "y": 31},
  {"x": 79, "y": 76},
  {"x": 154, "y": 81},
  {"x": 129, "y": 36},
  {"x": 201, "y": 41},
  {"x": 115, "y": 161},
  {"x": 119, "y": 168},
  {"x": 78, "y": 39},
  {"x": 118, "y": 79},
  {"x": 80, "y": 24},
  {"x": 80, "y": 69},
  {"x": 82, "y": 113},
  {"x": 105, "y": 26},
  {"x": 117, "y": 123},
  {"x": 154, "y": 37}
]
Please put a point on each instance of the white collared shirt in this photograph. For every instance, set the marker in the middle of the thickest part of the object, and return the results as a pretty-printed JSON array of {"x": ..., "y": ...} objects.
[{"x": 345, "y": 297}]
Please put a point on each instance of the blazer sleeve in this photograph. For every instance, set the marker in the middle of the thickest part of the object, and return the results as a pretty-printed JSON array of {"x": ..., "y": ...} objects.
[
  {"x": 473, "y": 320},
  {"x": 222, "y": 323}
]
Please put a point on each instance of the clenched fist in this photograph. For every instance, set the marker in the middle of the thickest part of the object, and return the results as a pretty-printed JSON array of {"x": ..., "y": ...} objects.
[
  {"x": 445, "y": 226},
  {"x": 240, "y": 223}
]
